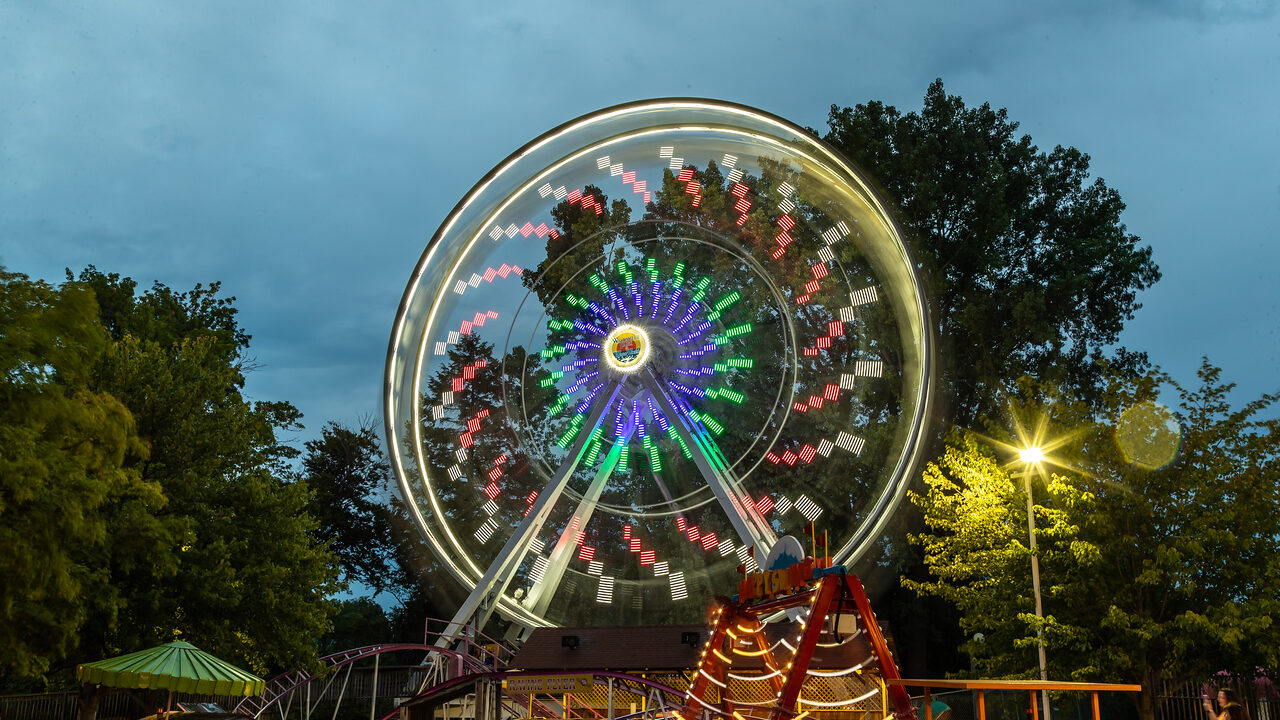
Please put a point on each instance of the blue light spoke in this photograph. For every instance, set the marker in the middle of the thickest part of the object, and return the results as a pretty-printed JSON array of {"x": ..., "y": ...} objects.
[
  {"x": 688, "y": 316},
  {"x": 586, "y": 401},
  {"x": 675, "y": 301}
]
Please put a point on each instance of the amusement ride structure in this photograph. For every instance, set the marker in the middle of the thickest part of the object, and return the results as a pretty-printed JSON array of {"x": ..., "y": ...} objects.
[
  {"x": 644, "y": 348},
  {"x": 643, "y": 355}
]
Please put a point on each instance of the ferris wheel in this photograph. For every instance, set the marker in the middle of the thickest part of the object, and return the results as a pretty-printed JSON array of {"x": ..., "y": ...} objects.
[{"x": 644, "y": 347}]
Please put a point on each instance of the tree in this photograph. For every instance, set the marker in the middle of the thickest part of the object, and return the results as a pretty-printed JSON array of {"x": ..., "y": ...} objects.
[
  {"x": 1029, "y": 267},
  {"x": 359, "y": 622},
  {"x": 1149, "y": 572},
  {"x": 347, "y": 474},
  {"x": 68, "y": 487},
  {"x": 244, "y": 577}
]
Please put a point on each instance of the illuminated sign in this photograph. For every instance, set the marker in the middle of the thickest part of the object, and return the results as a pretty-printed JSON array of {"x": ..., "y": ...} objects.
[
  {"x": 548, "y": 684},
  {"x": 771, "y": 583},
  {"x": 626, "y": 348}
]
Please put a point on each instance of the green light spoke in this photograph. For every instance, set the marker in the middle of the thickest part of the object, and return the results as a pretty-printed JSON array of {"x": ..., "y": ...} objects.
[
  {"x": 577, "y": 302},
  {"x": 625, "y": 272},
  {"x": 731, "y": 395},
  {"x": 711, "y": 423},
  {"x": 652, "y": 266},
  {"x": 745, "y": 363},
  {"x": 721, "y": 304},
  {"x": 560, "y": 402},
  {"x": 671, "y": 430},
  {"x": 655, "y": 463},
  {"x": 624, "y": 456},
  {"x": 551, "y": 352},
  {"x": 574, "y": 426},
  {"x": 560, "y": 324},
  {"x": 679, "y": 273},
  {"x": 732, "y": 332},
  {"x": 549, "y": 381},
  {"x": 702, "y": 290},
  {"x": 594, "y": 451},
  {"x": 600, "y": 284}
]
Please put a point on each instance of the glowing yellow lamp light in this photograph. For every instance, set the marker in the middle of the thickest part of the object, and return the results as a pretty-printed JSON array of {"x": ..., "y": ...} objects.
[{"x": 1031, "y": 456}]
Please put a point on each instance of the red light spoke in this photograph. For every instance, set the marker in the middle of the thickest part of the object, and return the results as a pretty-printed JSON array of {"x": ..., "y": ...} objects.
[
  {"x": 743, "y": 205},
  {"x": 467, "y": 439},
  {"x": 647, "y": 557},
  {"x": 691, "y": 186},
  {"x": 587, "y": 200},
  {"x": 587, "y": 553},
  {"x": 468, "y": 373},
  {"x": 835, "y": 329},
  {"x": 764, "y": 505},
  {"x": 492, "y": 490},
  {"x": 476, "y": 321},
  {"x": 639, "y": 187},
  {"x": 502, "y": 271},
  {"x": 819, "y": 271},
  {"x": 830, "y": 393}
]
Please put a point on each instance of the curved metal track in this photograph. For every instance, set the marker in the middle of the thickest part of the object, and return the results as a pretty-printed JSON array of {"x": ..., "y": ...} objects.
[{"x": 280, "y": 686}]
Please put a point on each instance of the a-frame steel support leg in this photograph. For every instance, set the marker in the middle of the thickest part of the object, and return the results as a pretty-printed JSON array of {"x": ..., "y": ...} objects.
[
  {"x": 713, "y": 656},
  {"x": 828, "y": 591},
  {"x": 888, "y": 668}
]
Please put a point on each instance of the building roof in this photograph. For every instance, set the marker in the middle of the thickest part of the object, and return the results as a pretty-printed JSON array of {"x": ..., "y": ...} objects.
[{"x": 656, "y": 647}]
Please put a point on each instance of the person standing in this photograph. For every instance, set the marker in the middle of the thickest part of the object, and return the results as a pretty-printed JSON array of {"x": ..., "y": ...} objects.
[{"x": 1230, "y": 707}]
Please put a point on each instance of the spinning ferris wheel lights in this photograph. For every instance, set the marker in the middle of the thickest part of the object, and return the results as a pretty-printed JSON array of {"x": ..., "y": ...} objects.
[{"x": 687, "y": 327}]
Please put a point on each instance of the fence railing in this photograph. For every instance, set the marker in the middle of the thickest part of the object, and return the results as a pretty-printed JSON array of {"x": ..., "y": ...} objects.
[
  {"x": 392, "y": 684},
  {"x": 1185, "y": 700}
]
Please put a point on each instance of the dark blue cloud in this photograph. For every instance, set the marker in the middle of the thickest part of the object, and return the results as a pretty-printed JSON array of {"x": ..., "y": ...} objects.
[{"x": 303, "y": 153}]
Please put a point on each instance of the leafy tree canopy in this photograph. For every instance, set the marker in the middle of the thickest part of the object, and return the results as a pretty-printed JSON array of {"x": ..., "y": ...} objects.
[
  {"x": 1147, "y": 570},
  {"x": 68, "y": 481},
  {"x": 154, "y": 500},
  {"x": 1030, "y": 268},
  {"x": 347, "y": 473}
]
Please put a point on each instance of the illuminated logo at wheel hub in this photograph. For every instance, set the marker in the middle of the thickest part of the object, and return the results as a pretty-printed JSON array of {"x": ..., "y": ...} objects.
[{"x": 626, "y": 348}]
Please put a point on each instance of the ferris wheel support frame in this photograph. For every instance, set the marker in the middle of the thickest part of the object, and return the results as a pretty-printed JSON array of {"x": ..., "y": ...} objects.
[{"x": 487, "y": 593}]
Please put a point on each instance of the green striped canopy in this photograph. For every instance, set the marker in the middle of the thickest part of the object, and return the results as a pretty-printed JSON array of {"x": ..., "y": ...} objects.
[{"x": 177, "y": 667}]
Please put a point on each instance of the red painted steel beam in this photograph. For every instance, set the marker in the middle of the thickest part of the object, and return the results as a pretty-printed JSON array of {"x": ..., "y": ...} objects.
[{"x": 888, "y": 669}]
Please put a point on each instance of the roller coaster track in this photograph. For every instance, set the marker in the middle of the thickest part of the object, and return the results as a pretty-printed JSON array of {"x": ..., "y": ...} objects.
[
  {"x": 624, "y": 682},
  {"x": 282, "y": 685}
]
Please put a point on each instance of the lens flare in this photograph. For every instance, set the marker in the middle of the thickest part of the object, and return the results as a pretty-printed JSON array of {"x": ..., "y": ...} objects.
[{"x": 1149, "y": 435}]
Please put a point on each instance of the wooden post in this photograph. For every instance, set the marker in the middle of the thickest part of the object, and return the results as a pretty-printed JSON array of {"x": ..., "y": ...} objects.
[
  {"x": 982, "y": 706},
  {"x": 1096, "y": 714},
  {"x": 1035, "y": 705},
  {"x": 928, "y": 705}
]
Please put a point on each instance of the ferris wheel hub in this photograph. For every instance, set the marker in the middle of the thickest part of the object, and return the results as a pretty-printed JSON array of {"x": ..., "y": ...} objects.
[{"x": 626, "y": 349}]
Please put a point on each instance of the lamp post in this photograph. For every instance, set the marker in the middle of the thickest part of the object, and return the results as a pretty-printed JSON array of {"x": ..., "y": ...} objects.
[{"x": 1031, "y": 457}]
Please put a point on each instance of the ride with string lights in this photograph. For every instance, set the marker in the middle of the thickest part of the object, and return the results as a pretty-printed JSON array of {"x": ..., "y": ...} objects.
[{"x": 830, "y": 609}]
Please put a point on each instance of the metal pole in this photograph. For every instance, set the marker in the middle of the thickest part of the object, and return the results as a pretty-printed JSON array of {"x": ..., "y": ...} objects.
[
  {"x": 374, "y": 703},
  {"x": 1035, "y": 586},
  {"x": 610, "y": 697}
]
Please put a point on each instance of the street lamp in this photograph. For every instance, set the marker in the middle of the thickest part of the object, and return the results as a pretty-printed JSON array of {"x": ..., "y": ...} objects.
[{"x": 1032, "y": 457}]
